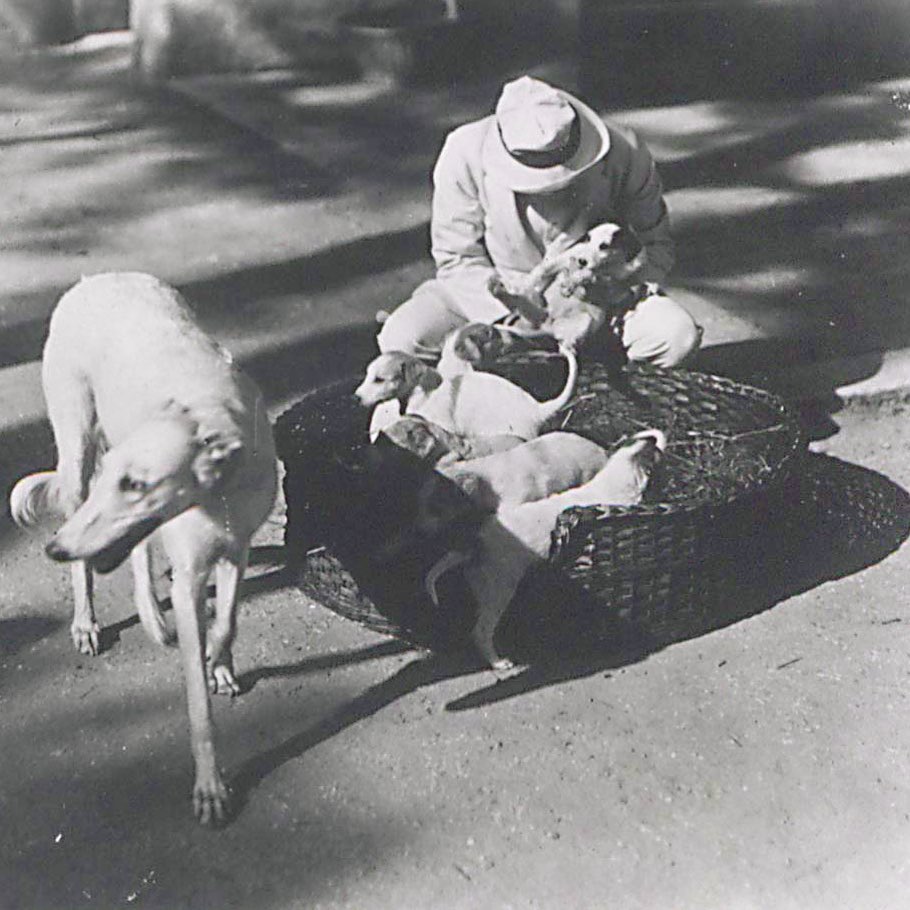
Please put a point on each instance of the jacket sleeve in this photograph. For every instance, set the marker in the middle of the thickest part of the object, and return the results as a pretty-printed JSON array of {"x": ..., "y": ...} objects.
[
  {"x": 645, "y": 211},
  {"x": 457, "y": 221}
]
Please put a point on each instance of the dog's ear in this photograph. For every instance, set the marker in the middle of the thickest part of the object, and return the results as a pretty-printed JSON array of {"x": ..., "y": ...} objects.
[{"x": 218, "y": 457}]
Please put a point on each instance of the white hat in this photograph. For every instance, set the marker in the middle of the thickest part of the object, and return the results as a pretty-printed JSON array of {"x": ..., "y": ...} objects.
[{"x": 542, "y": 137}]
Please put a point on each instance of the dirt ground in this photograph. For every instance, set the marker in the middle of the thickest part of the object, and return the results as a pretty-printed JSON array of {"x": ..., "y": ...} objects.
[{"x": 763, "y": 765}]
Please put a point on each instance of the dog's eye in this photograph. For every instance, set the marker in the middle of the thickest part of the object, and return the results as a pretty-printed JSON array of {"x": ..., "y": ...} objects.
[{"x": 132, "y": 485}]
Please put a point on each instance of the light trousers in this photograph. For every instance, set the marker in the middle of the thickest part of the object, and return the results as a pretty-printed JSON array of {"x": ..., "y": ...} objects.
[{"x": 656, "y": 330}]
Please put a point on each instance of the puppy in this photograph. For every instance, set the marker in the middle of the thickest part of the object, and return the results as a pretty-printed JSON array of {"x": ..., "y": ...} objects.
[
  {"x": 473, "y": 347},
  {"x": 189, "y": 454},
  {"x": 483, "y": 404},
  {"x": 601, "y": 255},
  {"x": 394, "y": 378},
  {"x": 533, "y": 470},
  {"x": 434, "y": 445},
  {"x": 519, "y": 535},
  {"x": 470, "y": 404}
]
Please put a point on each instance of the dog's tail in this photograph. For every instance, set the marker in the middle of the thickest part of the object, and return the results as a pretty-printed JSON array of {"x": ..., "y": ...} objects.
[
  {"x": 555, "y": 405},
  {"x": 153, "y": 622},
  {"x": 34, "y": 498}
]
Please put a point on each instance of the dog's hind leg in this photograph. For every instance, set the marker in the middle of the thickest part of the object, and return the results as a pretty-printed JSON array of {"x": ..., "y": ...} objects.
[
  {"x": 147, "y": 605},
  {"x": 71, "y": 409},
  {"x": 219, "y": 660}
]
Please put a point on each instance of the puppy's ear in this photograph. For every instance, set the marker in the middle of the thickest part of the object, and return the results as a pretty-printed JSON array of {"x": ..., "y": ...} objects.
[
  {"x": 420, "y": 376},
  {"x": 218, "y": 457}
]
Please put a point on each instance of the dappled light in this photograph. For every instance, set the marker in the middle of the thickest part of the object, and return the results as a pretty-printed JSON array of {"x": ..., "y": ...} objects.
[
  {"x": 685, "y": 129},
  {"x": 702, "y": 203},
  {"x": 850, "y": 163},
  {"x": 776, "y": 280},
  {"x": 789, "y": 214}
]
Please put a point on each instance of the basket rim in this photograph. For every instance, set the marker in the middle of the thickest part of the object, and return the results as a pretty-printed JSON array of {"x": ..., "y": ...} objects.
[{"x": 604, "y": 511}]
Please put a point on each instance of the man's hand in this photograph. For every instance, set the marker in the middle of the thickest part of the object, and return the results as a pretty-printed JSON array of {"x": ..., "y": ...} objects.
[{"x": 531, "y": 307}]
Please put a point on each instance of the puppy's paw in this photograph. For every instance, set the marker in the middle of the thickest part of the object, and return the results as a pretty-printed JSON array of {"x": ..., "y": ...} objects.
[
  {"x": 497, "y": 287},
  {"x": 86, "y": 639},
  {"x": 211, "y": 799}
]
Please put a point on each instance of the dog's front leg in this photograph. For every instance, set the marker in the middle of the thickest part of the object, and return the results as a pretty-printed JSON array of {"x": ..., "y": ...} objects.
[
  {"x": 219, "y": 660},
  {"x": 210, "y": 796},
  {"x": 85, "y": 631}
]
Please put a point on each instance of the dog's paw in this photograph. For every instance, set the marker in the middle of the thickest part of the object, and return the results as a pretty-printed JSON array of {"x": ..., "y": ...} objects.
[
  {"x": 222, "y": 680},
  {"x": 211, "y": 800},
  {"x": 86, "y": 640}
]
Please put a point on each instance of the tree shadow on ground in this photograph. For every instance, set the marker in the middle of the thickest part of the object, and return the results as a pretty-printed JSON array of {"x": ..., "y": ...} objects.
[
  {"x": 127, "y": 834},
  {"x": 794, "y": 252},
  {"x": 17, "y": 633},
  {"x": 664, "y": 53}
]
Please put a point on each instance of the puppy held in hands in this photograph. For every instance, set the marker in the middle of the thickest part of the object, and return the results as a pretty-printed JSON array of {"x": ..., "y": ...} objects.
[
  {"x": 518, "y": 536},
  {"x": 600, "y": 258}
]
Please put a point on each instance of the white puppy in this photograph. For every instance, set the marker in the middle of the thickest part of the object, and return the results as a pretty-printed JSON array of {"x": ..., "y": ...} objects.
[
  {"x": 533, "y": 470},
  {"x": 470, "y": 404},
  {"x": 517, "y": 536},
  {"x": 434, "y": 445}
]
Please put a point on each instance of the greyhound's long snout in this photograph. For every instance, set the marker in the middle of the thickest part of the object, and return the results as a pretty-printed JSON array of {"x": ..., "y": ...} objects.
[{"x": 57, "y": 552}]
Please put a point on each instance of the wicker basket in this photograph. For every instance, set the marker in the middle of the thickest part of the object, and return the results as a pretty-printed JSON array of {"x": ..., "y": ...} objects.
[{"x": 661, "y": 566}]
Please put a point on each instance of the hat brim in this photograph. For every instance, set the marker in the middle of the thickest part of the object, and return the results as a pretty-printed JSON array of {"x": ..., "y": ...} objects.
[{"x": 594, "y": 143}]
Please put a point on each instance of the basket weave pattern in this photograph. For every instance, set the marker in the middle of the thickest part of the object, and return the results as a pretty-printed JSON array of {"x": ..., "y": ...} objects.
[{"x": 657, "y": 564}]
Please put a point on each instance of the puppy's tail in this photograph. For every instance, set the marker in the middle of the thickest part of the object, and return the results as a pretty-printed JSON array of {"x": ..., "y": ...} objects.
[
  {"x": 34, "y": 498},
  {"x": 555, "y": 405}
]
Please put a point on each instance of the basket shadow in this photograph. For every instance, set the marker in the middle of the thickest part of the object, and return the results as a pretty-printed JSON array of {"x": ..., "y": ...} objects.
[
  {"x": 831, "y": 519},
  {"x": 835, "y": 519}
]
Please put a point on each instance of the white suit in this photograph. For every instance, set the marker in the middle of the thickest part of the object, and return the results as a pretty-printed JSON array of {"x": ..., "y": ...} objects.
[{"x": 479, "y": 225}]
